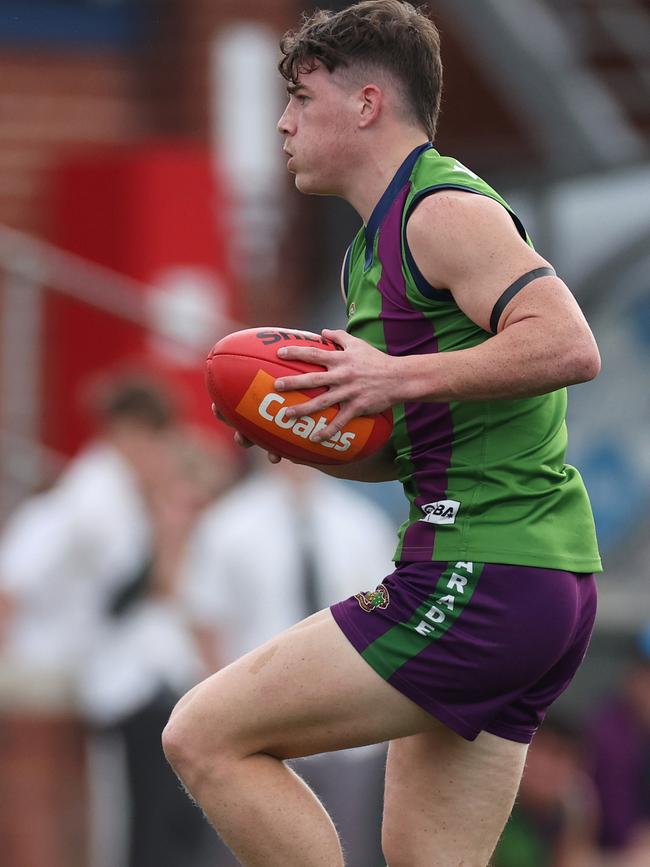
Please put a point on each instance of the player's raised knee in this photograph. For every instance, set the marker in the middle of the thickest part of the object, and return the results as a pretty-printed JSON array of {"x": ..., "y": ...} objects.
[
  {"x": 177, "y": 740},
  {"x": 190, "y": 744}
]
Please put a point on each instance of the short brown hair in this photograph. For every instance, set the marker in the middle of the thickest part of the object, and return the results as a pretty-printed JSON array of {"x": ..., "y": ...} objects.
[
  {"x": 386, "y": 34},
  {"x": 135, "y": 398}
]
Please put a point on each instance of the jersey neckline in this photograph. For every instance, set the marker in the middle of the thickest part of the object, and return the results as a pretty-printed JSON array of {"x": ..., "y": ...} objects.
[{"x": 382, "y": 207}]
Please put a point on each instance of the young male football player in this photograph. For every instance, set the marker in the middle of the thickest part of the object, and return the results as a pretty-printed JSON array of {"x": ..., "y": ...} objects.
[{"x": 467, "y": 333}]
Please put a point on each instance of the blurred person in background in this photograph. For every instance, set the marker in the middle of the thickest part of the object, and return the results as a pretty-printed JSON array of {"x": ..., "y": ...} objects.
[
  {"x": 456, "y": 322},
  {"x": 142, "y": 657},
  {"x": 619, "y": 761},
  {"x": 282, "y": 545},
  {"x": 62, "y": 553},
  {"x": 555, "y": 819},
  {"x": 85, "y": 571}
]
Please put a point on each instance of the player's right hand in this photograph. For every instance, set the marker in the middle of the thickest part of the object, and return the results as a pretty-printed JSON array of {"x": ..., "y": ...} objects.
[{"x": 243, "y": 441}]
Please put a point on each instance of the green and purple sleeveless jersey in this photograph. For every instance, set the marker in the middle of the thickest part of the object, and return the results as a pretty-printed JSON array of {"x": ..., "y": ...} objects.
[{"x": 486, "y": 480}]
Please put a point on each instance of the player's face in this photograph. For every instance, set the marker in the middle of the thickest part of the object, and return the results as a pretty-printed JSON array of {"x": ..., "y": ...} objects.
[{"x": 318, "y": 126}]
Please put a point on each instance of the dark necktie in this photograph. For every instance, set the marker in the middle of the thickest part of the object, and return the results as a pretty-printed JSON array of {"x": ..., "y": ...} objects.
[{"x": 307, "y": 562}]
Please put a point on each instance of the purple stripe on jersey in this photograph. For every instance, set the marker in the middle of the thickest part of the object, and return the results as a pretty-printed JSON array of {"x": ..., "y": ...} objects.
[{"x": 408, "y": 332}]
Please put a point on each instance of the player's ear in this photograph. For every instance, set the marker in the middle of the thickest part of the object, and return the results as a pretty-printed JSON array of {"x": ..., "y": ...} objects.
[{"x": 371, "y": 101}]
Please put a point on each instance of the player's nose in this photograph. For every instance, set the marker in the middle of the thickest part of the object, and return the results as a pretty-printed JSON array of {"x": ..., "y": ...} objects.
[{"x": 285, "y": 124}]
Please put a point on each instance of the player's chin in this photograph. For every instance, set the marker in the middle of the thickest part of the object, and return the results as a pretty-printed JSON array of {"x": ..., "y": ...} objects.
[
  {"x": 310, "y": 185},
  {"x": 302, "y": 182}
]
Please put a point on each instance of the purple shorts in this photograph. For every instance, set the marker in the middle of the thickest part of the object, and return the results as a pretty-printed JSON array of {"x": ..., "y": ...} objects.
[{"x": 481, "y": 647}]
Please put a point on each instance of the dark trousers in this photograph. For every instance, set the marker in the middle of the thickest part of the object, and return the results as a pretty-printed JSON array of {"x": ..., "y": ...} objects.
[
  {"x": 166, "y": 829},
  {"x": 351, "y": 790}
]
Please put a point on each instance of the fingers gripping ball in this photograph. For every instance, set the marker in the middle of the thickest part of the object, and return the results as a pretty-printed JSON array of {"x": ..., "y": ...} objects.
[{"x": 240, "y": 376}]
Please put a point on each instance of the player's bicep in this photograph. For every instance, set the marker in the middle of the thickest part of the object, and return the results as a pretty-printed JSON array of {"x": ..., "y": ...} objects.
[
  {"x": 469, "y": 245},
  {"x": 520, "y": 286},
  {"x": 496, "y": 297}
]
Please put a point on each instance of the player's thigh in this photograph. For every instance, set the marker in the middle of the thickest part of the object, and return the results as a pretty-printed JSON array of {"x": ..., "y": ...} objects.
[
  {"x": 306, "y": 691},
  {"x": 447, "y": 799}
]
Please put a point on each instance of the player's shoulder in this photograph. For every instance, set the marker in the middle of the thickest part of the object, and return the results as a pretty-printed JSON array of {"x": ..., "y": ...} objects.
[
  {"x": 458, "y": 206},
  {"x": 433, "y": 168},
  {"x": 451, "y": 215}
]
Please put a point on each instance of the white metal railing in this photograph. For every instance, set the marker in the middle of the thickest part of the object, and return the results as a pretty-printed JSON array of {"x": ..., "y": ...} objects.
[
  {"x": 30, "y": 266},
  {"x": 40, "y": 263}
]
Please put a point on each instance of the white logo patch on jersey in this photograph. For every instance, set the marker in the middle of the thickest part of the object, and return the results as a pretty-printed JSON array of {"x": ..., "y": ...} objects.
[
  {"x": 441, "y": 512},
  {"x": 459, "y": 167}
]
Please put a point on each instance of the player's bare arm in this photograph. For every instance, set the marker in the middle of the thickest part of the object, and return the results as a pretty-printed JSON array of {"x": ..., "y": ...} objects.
[{"x": 469, "y": 245}]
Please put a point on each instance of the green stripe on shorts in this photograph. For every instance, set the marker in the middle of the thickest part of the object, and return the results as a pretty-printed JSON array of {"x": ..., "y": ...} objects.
[{"x": 432, "y": 618}]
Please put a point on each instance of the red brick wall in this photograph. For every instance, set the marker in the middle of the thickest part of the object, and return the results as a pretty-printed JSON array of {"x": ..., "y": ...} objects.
[{"x": 51, "y": 100}]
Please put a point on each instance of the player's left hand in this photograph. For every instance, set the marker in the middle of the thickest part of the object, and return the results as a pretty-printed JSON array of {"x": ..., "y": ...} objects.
[{"x": 359, "y": 378}]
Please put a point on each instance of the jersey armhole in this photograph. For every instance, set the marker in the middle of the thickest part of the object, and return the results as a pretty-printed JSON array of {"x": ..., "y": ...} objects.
[
  {"x": 345, "y": 274},
  {"x": 425, "y": 288}
]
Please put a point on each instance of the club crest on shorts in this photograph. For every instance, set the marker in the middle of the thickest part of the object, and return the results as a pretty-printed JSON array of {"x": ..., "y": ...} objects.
[{"x": 372, "y": 599}]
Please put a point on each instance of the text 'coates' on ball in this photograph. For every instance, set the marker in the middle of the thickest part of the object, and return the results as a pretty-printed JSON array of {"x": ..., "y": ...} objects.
[{"x": 241, "y": 370}]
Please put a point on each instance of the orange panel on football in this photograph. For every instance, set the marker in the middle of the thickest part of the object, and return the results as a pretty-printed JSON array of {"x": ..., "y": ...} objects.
[{"x": 264, "y": 407}]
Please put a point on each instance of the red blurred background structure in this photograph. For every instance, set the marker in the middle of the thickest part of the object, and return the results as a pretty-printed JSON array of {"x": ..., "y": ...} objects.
[{"x": 157, "y": 213}]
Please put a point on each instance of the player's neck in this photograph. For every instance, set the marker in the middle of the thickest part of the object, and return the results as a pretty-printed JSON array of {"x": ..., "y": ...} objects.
[{"x": 380, "y": 164}]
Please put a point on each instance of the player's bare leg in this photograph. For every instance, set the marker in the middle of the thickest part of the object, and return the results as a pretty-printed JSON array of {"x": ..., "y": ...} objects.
[
  {"x": 448, "y": 799},
  {"x": 308, "y": 691}
]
